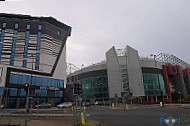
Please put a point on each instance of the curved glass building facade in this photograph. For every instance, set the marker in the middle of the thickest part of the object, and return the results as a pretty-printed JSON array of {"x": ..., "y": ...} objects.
[
  {"x": 153, "y": 84},
  {"x": 94, "y": 88}
]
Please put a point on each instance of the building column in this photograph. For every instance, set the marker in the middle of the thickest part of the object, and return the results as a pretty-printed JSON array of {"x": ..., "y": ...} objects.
[{"x": 151, "y": 100}]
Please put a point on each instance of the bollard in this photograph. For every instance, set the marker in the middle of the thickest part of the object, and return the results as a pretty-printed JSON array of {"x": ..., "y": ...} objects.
[
  {"x": 72, "y": 108},
  {"x": 83, "y": 119},
  {"x": 127, "y": 107},
  {"x": 112, "y": 104},
  {"x": 160, "y": 104}
]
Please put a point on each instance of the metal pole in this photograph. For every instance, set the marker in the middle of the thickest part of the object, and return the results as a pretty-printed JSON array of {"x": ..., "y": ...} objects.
[
  {"x": 6, "y": 102},
  {"x": 27, "y": 99}
]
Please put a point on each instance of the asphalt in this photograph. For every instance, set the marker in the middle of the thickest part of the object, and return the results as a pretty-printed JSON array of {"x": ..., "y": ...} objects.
[
  {"x": 140, "y": 115},
  {"x": 136, "y": 115}
]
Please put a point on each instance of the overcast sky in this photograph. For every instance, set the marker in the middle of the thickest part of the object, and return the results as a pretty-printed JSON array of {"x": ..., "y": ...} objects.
[{"x": 150, "y": 26}]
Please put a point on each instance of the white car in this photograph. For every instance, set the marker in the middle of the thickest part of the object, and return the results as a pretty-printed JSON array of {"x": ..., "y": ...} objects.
[
  {"x": 2, "y": 106},
  {"x": 64, "y": 105},
  {"x": 96, "y": 103}
]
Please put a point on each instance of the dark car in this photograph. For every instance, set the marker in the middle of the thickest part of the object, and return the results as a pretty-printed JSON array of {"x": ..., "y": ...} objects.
[
  {"x": 43, "y": 105},
  {"x": 87, "y": 104}
]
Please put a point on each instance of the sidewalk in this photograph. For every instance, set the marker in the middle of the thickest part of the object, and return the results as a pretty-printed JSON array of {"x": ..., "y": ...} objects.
[
  {"x": 185, "y": 106},
  {"x": 43, "y": 122},
  {"x": 135, "y": 106},
  {"x": 44, "y": 114}
]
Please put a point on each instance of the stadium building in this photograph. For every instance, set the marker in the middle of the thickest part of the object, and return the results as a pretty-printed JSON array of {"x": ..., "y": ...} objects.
[
  {"x": 32, "y": 51},
  {"x": 126, "y": 75}
]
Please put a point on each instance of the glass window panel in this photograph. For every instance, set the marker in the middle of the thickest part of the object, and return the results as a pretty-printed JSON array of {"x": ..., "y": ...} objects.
[
  {"x": 22, "y": 92},
  {"x": 60, "y": 93},
  {"x": 14, "y": 79},
  {"x": 37, "y": 91},
  {"x": 33, "y": 80},
  {"x": 50, "y": 82},
  {"x": 39, "y": 27},
  {"x": 13, "y": 91},
  {"x": 45, "y": 82},
  {"x": 53, "y": 83},
  {"x": 4, "y": 25},
  {"x": 61, "y": 83},
  {"x": 44, "y": 93},
  {"x": 16, "y": 26},
  {"x": 24, "y": 79},
  {"x": 28, "y": 26},
  {"x": 38, "y": 81}
]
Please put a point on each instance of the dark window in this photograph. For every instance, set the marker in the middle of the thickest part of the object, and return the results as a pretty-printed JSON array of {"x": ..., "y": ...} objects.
[{"x": 56, "y": 93}]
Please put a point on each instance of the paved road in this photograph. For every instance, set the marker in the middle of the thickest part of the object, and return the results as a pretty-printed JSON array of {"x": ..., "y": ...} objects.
[{"x": 140, "y": 116}]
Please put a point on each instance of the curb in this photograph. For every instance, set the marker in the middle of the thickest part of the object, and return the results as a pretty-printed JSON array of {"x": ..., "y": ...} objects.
[
  {"x": 122, "y": 109},
  {"x": 184, "y": 107}
]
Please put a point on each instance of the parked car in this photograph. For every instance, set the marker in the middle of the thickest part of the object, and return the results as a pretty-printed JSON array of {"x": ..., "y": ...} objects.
[
  {"x": 64, "y": 105},
  {"x": 108, "y": 103},
  {"x": 96, "y": 103},
  {"x": 43, "y": 105},
  {"x": 2, "y": 106},
  {"x": 86, "y": 104}
]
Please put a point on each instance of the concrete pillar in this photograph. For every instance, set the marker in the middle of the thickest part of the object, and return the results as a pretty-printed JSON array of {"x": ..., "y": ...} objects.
[
  {"x": 147, "y": 99},
  {"x": 169, "y": 99},
  {"x": 152, "y": 100},
  {"x": 138, "y": 100}
]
